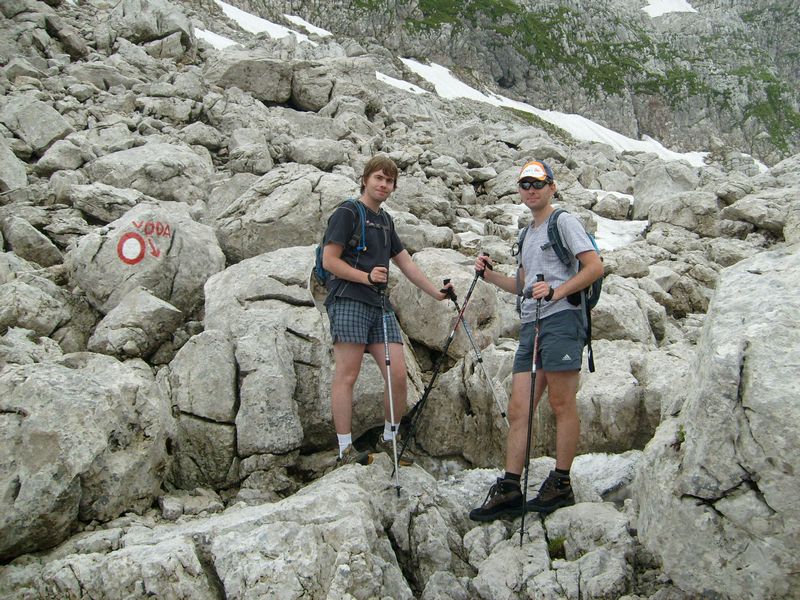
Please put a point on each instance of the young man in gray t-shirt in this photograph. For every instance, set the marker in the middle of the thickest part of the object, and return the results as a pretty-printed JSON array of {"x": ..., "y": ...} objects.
[{"x": 562, "y": 336}]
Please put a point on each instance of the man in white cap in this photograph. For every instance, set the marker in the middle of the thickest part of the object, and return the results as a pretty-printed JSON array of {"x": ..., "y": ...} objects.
[{"x": 562, "y": 336}]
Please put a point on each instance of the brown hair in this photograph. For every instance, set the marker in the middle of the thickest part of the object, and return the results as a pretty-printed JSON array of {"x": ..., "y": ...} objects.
[{"x": 379, "y": 162}]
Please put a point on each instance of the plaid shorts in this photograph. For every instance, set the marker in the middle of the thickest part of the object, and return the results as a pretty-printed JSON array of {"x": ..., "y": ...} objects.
[{"x": 355, "y": 322}]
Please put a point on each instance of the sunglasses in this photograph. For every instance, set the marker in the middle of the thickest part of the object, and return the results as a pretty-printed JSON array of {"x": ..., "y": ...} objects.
[{"x": 537, "y": 185}]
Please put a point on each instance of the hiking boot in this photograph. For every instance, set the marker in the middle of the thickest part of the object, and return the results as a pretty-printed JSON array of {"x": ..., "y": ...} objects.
[
  {"x": 555, "y": 493},
  {"x": 503, "y": 500},
  {"x": 385, "y": 446},
  {"x": 351, "y": 456}
]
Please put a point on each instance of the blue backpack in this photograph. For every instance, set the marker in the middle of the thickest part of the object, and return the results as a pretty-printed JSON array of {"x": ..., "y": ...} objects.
[
  {"x": 588, "y": 296},
  {"x": 358, "y": 240}
]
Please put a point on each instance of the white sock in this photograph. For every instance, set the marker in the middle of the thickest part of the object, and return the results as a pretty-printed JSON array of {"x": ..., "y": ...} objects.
[
  {"x": 345, "y": 440},
  {"x": 388, "y": 434}
]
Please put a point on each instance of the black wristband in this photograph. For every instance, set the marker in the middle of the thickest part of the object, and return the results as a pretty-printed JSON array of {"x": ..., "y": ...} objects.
[
  {"x": 549, "y": 294},
  {"x": 369, "y": 278}
]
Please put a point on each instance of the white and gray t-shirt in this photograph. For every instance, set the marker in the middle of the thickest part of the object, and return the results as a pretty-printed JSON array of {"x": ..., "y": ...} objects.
[{"x": 535, "y": 260}]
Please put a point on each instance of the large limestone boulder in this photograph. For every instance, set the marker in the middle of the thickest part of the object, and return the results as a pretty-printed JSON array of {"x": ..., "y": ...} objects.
[
  {"x": 288, "y": 206},
  {"x": 12, "y": 170},
  {"x": 613, "y": 415},
  {"x": 254, "y": 71},
  {"x": 32, "y": 303},
  {"x": 717, "y": 489},
  {"x": 463, "y": 415},
  {"x": 766, "y": 209},
  {"x": 164, "y": 171},
  {"x": 695, "y": 211},
  {"x": 283, "y": 354},
  {"x": 143, "y": 21},
  {"x": 135, "y": 327},
  {"x": 622, "y": 313},
  {"x": 103, "y": 202},
  {"x": 20, "y": 346},
  {"x": 157, "y": 247},
  {"x": 312, "y": 85},
  {"x": 202, "y": 382},
  {"x": 33, "y": 121},
  {"x": 429, "y": 321},
  {"x": 426, "y": 200},
  {"x": 29, "y": 243},
  {"x": 659, "y": 180},
  {"x": 82, "y": 438}
]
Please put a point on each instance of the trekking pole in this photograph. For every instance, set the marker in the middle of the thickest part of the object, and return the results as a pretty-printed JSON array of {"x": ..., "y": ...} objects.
[
  {"x": 385, "y": 315},
  {"x": 478, "y": 355},
  {"x": 415, "y": 413},
  {"x": 539, "y": 277}
]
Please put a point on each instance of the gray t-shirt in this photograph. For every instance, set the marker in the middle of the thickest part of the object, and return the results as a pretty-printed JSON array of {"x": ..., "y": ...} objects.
[{"x": 535, "y": 260}]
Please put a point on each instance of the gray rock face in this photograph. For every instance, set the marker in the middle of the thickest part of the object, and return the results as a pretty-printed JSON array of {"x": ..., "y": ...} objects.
[
  {"x": 86, "y": 438},
  {"x": 149, "y": 20},
  {"x": 103, "y": 202},
  {"x": 284, "y": 207},
  {"x": 603, "y": 63},
  {"x": 163, "y": 251},
  {"x": 720, "y": 497},
  {"x": 186, "y": 189},
  {"x": 12, "y": 170},
  {"x": 28, "y": 304},
  {"x": 165, "y": 171},
  {"x": 135, "y": 327},
  {"x": 28, "y": 243},
  {"x": 33, "y": 121},
  {"x": 251, "y": 71}
]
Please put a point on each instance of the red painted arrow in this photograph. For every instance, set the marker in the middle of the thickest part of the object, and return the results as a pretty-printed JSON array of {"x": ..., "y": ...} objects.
[{"x": 153, "y": 250}]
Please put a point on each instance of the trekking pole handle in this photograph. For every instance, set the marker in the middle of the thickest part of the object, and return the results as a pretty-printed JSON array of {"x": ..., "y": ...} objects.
[
  {"x": 448, "y": 290},
  {"x": 539, "y": 277},
  {"x": 488, "y": 265},
  {"x": 380, "y": 286},
  {"x": 529, "y": 292}
]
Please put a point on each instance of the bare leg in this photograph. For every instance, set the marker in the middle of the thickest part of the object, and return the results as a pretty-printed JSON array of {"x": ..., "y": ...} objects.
[
  {"x": 348, "y": 364},
  {"x": 518, "y": 417},
  {"x": 563, "y": 390},
  {"x": 399, "y": 377}
]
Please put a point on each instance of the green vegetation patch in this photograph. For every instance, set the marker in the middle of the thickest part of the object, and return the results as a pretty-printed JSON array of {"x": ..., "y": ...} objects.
[
  {"x": 554, "y": 131},
  {"x": 556, "y": 549}
]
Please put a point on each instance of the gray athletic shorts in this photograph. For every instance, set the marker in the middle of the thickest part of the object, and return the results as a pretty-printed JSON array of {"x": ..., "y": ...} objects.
[
  {"x": 355, "y": 322},
  {"x": 562, "y": 337}
]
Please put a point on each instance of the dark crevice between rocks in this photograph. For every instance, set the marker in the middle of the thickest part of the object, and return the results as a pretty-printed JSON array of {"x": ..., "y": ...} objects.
[
  {"x": 750, "y": 482},
  {"x": 203, "y": 551},
  {"x": 292, "y": 301},
  {"x": 406, "y": 560},
  {"x": 302, "y": 336},
  {"x": 708, "y": 502},
  {"x": 204, "y": 419}
]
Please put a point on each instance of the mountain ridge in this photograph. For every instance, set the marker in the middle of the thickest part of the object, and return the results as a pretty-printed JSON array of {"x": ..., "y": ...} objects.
[{"x": 727, "y": 74}]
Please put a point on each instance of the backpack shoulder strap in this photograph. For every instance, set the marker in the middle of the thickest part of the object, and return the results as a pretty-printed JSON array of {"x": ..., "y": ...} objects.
[
  {"x": 554, "y": 239},
  {"x": 518, "y": 250},
  {"x": 520, "y": 240},
  {"x": 359, "y": 237}
]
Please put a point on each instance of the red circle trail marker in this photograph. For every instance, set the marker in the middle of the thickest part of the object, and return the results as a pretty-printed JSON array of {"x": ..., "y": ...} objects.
[{"x": 131, "y": 248}]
